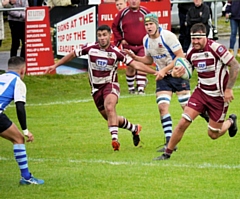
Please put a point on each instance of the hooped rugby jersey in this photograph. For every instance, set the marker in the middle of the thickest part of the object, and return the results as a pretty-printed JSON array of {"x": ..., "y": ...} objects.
[
  {"x": 102, "y": 64},
  {"x": 211, "y": 64}
]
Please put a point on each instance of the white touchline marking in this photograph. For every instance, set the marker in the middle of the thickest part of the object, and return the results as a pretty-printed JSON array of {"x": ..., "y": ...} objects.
[
  {"x": 78, "y": 101},
  {"x": 164, "y": 163},
  {"x": 90, "y": 99}
]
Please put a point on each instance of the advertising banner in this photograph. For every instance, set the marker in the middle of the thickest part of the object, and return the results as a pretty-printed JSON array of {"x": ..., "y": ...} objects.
[
  {"x": 39, "y": 53},
  {"x": 108, "y": 11},
  {"x": 76, "y": 31}
]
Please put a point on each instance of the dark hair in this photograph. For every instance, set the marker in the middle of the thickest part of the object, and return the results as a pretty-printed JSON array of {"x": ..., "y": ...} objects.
[
  {"x": 15, "y": 62},
  {"x": 198, "y": 27},
  {"x": 104, "y": 27}
]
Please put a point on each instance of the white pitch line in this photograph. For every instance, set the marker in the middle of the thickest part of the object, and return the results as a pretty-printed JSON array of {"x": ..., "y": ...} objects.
[
  {"x": 90, "y": 99},
  {"x": 204, "y": 165},
  {"x": 78, "y": 101}
]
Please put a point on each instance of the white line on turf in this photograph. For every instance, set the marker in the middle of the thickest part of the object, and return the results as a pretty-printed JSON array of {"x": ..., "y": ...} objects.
[
  {"x": 204, "y": 165},
  {"x": 89, "y": 100},
  {"x": 78, "y": 101}
]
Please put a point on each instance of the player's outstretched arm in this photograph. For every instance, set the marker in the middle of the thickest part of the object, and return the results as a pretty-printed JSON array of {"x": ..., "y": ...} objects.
[
  {"x": 62, "y": 61},
  {"x": 142, "y": 67},
  {"x": 148, "y": 60}
]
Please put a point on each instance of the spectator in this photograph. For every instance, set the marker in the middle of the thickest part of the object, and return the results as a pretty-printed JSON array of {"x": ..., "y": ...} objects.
[
  {"x": 35, "y": 2},
  {"x": 14, "y": 89},
  {"x": 102, "y": 70},
  {"x": 3, "y": 3},
  {"x": 184, "y": 30},
  {"x": 124, "y": 27},
  {"x": 16, "y": 20},
  {"x": 199, "y": 13},
  {"x": 52, "y": 3},
  {"x": 209, "y": 4},
  {"x": 213, "y": 92},
  {"x": 233, "y": 10},
  {"x": 120, "y": 4}
]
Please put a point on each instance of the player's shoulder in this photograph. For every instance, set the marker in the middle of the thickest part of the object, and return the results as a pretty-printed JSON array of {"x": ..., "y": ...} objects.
[
  {"x": 168, "y": 36},
  {"x": 216, "y": 47},
  {"x": 166, "y": 33},
  {"x": 213, "y": 44},
  {"x": 114, "y": 48}
]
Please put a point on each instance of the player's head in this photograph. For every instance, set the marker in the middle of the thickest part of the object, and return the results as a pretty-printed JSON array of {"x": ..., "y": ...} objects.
[
  {"x": 151, "y": 23},
  {"x": 104, "y": 35},
  {"x": 18, "y": 65},
  {"x": 198, "y": 36},
  {"x": 120, "y": 4},
  {"x": 134, "y": 4}
]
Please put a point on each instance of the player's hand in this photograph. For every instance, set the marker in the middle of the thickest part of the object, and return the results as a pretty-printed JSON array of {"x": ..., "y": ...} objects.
[
  {"x": 29, "y": 136},
  {"x": 159, "y": 75},
  {"x": 228, "y": 95},
  {"x": 130, "y": 53},
  {"x": 50, "y": 69},
  {"x": 124, "y": 42},
  {"x": 178, "y": 71}
]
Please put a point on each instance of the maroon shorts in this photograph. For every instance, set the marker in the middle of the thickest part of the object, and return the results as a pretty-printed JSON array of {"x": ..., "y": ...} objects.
[
  {"x": 138, "y": 50},
  {"x": 215, "y": 106},
  {"x": 100, "y": 95}
]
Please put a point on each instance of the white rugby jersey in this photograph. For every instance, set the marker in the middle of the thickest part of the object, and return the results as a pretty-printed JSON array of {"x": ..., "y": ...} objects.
[
  {"x": 211, "y": 64},
  {"x": 162, "y": 48},
  {"x": 11, "y": 88},
  {"x": 102, "y": 64}
]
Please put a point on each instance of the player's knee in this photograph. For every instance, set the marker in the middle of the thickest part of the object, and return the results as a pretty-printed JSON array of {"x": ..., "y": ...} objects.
[
  {"x": 18, "y": 139},
  {"x": 187, "y": 117},
  {"x": 213, "y": 133},
  {"x": 183, "y": 98},
  {"x": 163, "y": 98}
]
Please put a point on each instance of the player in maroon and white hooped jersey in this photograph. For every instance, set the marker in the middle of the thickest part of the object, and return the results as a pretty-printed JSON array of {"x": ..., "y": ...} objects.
[
  {"x": 102, "y": 69},
  {"x": 213, "y": 92}
]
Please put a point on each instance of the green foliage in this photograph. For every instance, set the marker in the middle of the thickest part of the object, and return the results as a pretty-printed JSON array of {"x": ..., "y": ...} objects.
[{"x": 72, "y": 149}]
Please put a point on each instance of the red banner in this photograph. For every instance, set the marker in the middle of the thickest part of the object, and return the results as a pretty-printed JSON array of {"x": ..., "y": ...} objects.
[
  {"x": 39, "y": 54},
  {"x": 107, "y": 12}
]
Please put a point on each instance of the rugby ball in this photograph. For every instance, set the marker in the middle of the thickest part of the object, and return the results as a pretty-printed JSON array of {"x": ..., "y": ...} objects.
[{"x": 180, "y": 61}]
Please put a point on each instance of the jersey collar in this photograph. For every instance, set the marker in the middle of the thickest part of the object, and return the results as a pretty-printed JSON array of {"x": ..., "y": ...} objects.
[{"x": 13, "y": 72}]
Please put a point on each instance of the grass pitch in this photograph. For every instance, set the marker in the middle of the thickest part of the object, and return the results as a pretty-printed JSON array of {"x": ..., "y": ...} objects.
[{"x": 72, "y": 150}]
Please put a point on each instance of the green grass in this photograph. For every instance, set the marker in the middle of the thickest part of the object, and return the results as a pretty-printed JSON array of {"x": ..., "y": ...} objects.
[{"x": 72, "y": 149}]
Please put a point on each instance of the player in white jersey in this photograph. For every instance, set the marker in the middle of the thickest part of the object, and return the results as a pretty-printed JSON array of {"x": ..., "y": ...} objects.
[
  {"x": 103, "y": 61},
  {"x": 213, "y": 92},
  {"x": 12, "y": 88},
  {"x": 162, "y": 47}
]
